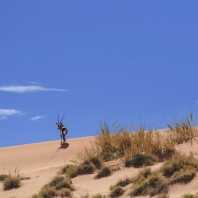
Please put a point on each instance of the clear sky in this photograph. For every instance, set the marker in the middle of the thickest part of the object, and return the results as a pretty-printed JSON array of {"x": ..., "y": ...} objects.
[{"x": 131, "y": 60}]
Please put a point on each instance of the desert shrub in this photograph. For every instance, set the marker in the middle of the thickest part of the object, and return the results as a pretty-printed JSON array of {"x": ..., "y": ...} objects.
[
  {"x": 60, "y": 183},
  {"x": 180, "y": 168},
  {"x": 3, "y": 176},
  {"x": 96, "y": 161},
  {"x": 98, "y": 196},
  {"x": 35, "y": 196},
  {"x": 65, "y": 192},
  {"x": 140, "y": 160},
  {"x": 86, "y": 167},
  {"x": 70, "y": 170},
  {"x": 190, "y": 195},
  {"x": 47, "y": 192},
  {"x": 105, "y": 172},
  {"x": 116, "y": 191},
  {"x": 11, "y": 182},
  {"x": 163, "y": 196},
  {"x": 148, "y": 183},
  {"x": 122, "y": 183}
]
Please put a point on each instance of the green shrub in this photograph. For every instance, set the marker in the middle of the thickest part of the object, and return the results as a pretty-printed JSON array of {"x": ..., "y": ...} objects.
[{"x": 105, "y": 172}]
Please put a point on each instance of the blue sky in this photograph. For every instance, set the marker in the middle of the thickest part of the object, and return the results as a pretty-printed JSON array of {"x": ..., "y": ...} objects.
[{"x": 132, "y": 61}]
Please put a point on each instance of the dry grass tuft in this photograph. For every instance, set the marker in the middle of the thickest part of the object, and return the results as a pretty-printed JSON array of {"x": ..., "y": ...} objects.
[
  {"x": 183, "y": 130},
  {"x": 12, "y": 180}
]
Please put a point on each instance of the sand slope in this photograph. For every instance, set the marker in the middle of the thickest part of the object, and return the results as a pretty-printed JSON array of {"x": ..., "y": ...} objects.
[{"x": 41, "y": 161}]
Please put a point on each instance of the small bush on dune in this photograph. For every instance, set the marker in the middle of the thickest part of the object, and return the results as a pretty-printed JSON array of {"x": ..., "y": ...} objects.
[
  {"x": 148, "y": 183},
  {"x": 84, "y": 169},
  {"x": 60, "y": 183},
  {"x": 105, "y": 172},
  {"x": 180, "y": 168},
  {"x": 98, "y": 196},
  {"x": 12, "y": 181},
  {"x": 162, "y": 196},
  {"x": 65, "y": 192},
  {"x": 87, "y": 167},
  {"x": 47, "y": 192},
  {"x": 140, "y": 160},
  {"x": 117, "y": 191},
  {"x": 96, "y": 161},
  {"x": 190, "y": 196},
  {"x": 122, "y": 183}
]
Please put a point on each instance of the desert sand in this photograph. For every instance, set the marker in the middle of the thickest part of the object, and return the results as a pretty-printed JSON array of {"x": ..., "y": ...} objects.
[{"x": 41, "y": 162}]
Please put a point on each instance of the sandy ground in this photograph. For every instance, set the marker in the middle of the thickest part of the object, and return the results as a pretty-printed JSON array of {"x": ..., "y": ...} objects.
[{"x": 41, "y": 162}]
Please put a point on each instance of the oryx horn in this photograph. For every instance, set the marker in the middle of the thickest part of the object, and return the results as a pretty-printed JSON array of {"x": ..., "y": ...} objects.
[{"x": 62, "y": 117}]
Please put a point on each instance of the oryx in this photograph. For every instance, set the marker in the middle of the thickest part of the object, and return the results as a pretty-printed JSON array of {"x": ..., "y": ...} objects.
[{"x": 62, "y": 128}]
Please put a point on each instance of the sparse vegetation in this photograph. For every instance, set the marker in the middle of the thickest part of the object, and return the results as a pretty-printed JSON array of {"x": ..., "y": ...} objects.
[
  {"x": 183, "y": 130},
  {"x": 59, "y": 186},
  {"x": 87, "y": 167},
  {"x": 116, "y": 191},
  {"x": 190, "y": 196},
  {"x": 60, "y": 182},
  {"x": 123, "y": 182},
  {"x": 12, "y": 180},
  {"x": 180, "y": 168},
  {"x": 65, "y": 192},
  {"x": 105, "y": 172},
  {"x": 47, "y": 192},
  {"x": 137, "y": 149},
  {"x": 98, "y": 196},
  {"x": 148, "y": 183},
  {"x": 139, "y": 160}
]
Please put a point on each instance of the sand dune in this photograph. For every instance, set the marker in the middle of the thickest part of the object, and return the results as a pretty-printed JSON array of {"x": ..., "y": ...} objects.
[{"x": 41, "y": 161}]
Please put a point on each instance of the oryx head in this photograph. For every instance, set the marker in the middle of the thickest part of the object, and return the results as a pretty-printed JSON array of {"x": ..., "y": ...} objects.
[{"x": 60, "y": 124}]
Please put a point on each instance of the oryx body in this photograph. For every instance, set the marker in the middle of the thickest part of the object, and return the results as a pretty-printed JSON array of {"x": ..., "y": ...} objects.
[{"x": 63, "y": 130}]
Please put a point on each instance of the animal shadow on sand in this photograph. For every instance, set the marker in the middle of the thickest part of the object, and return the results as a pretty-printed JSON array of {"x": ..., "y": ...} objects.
[{"x": 64, "y": 145}]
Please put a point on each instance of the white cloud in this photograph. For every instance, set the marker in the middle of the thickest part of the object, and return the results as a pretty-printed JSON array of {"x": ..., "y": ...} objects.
[
  {"x": 37, "y": 118},
  {"x": 8, "y": 112},
  {"x": 3, "y": 117},
  {"x": 31, "y": 88}
]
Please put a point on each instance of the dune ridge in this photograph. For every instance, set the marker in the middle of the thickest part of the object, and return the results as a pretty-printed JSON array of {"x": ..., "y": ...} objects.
[{"x": 41, "y": 162}]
